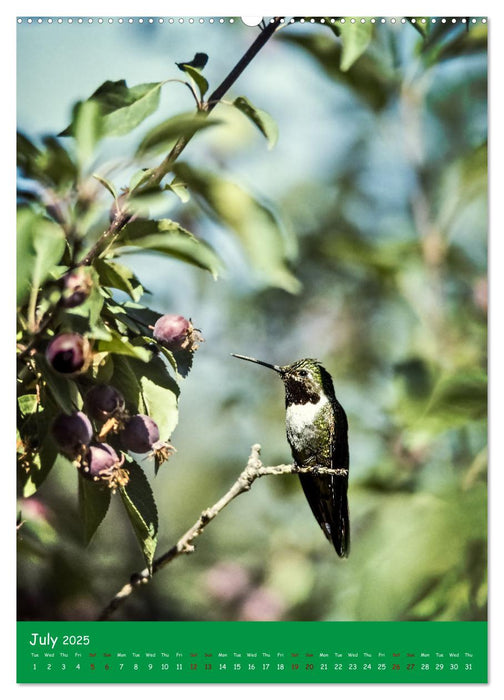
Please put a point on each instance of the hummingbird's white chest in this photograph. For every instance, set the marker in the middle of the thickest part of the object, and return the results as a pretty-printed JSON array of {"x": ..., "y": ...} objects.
[{"x": 300, "y": 420}]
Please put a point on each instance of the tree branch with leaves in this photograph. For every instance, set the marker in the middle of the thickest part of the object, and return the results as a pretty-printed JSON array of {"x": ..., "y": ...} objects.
[
  {"x": 99, "y": 377},
  {"x": 74, "y": 338}
]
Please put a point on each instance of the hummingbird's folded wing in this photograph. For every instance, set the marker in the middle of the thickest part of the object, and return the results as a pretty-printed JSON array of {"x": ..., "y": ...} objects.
[{"x": 327, "y": 494}]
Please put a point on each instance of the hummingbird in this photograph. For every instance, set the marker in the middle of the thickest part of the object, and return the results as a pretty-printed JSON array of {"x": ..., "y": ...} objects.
[{"x": 317, "y": 432}]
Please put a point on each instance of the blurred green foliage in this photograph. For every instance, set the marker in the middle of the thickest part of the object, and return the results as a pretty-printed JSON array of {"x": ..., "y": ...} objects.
[{"x": 385, "y": 283}]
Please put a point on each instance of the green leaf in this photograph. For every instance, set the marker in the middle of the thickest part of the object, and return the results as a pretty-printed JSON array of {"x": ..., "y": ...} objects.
[
  {"x": 372, "y": 78},
  {"x": 136, "y": 317},
  {"x": 46, "y": 459},
  {"x": 50, "y": 165},
  {"x": 56, "y": 164},
  {"x": 125, "y": 379},
  {"x": 138, "y": 178},
  {"x": 42, "y": 460},
  {"x": 197, "y": 77},
  {"x": 255, "y": 225},
  {"x": 141, "y": 509},
  {"x": 168, "y": 237},
  {"x": 264, "y": 122},
  {"x": 40, "y": 245},
  {"x": 94, "y": 502},
  {"x": 456, "y": 400},
  {"x": 87, "y": 130},
  {"x": 162, "y": 135},
  {"x": 138, "y": 103},
  {"x": 28, "y": 404},
  {"x": 180, "y": 189},
  {"x": 181, "y": 359},
  {"x": 117, "y": 317},
  {"x": 161, "y": 405},
  {"x": 81, "y": 324},
  {"x": 122, "y": 108},
  {"x": 169, "y": 355},
  {"x": 27, "y": 155},
  {"x": 107, "y": 184},
  {"x": 120, "y": 345},
  {"x": 49, "y": 244},
  {"x": 102, "y": 367},
  {"x": 356, "y": 38},
  {"x": 63, "y": 391},
  {"x": 155, "y": 371},
  {"x": 118, "y": 276},
  {"x": 158, "y": 393},
  {"x": 146, "y": 317}
]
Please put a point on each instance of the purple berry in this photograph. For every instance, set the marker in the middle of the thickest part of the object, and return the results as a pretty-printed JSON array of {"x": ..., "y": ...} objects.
[
  {"x": 68, "y": 353},
  {"x": 100, "y": 459},
  {"x": 71, "y": 433},
  {"x": 101, "y": 463},
  {"x": 174, "y": 332},
  {"x": 140, "y": 434},
  {"x": 103, "y": 402},
  {"x": 77, "y": 286}
]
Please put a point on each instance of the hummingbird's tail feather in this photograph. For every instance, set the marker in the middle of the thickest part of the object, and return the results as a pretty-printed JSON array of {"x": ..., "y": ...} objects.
[{"x": 327, "y": 496}]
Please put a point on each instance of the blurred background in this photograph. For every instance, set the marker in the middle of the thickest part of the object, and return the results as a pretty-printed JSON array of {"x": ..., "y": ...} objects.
[{"x": 379, "y": 180}]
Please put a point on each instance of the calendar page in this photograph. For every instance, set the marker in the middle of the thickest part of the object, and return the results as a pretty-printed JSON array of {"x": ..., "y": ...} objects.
[{"x": 251, "y": 349}]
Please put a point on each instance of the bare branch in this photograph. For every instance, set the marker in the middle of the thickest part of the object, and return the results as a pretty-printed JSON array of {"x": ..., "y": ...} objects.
[{"x": 254, "y": 470}]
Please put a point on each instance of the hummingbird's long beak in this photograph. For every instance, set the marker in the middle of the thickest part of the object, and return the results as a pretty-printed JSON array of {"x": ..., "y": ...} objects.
[{"x": 276, "y": 368}]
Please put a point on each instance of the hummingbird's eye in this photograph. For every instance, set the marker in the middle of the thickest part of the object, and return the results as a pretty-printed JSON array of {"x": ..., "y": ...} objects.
[{"x": 303, "y": 373}]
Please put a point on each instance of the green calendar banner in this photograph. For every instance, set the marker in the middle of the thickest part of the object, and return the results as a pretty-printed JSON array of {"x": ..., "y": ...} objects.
[{"x": 252, "y": 652}]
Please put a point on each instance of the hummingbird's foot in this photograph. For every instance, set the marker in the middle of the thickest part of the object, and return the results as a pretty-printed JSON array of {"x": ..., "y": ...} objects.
[{"x": 313, "y": 467}]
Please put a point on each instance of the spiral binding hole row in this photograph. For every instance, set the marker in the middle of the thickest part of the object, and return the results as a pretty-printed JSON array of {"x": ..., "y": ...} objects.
[{"x": 231, "y": 20}]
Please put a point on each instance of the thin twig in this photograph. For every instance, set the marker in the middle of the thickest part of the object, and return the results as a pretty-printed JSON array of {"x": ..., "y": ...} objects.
[
  {"x": 158, "y": 173},
  {"x": 214, "y": 99},
  {"x": 254, "y": 470}
]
